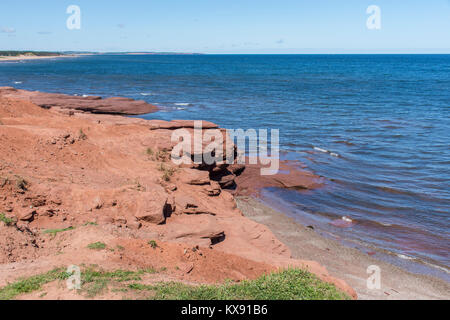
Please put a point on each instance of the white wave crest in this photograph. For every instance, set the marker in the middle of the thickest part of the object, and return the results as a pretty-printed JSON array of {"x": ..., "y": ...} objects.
[
  {"x": 321, "y": 150},
  {"x": 333, "y": 154}
]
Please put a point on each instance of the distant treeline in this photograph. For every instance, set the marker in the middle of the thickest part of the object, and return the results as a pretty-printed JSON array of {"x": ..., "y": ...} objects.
[{"x": 28, "y": 53}]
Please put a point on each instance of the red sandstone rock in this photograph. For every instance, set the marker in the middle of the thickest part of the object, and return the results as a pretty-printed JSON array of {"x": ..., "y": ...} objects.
[
  {"x": 27, "y": 215},
  {"x": 290, "y": 176},
  {"x": 227, "y": 181},
  {"x": 112, "y": 164},
  {"x": 120, "y": 220},
  {"x": 179, "y": 124},
  {"x": 183, "y": 202},
  {"x": 213, "y": 189},
  {"x": 152, "y": 208},
  {"x": 135, "y": 225},
  {"x": 105, "y": 220},
  {"x": 195, "y": 177},
  {"x": 93, "y": 104}
]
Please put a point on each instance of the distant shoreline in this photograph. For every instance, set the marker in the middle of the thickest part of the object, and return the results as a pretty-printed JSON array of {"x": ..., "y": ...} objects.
[{"x": 32, "y": 57}]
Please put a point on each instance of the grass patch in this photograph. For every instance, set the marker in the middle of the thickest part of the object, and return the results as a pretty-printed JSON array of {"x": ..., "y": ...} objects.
[
  {"x": 56, "y": 231},
  {"x": 97, "y": 246},
  {"x": 153, "y": 244},
  {"x": 292, "y": 284},
  {"x": 149, "y": 152},
  {"x": 82, "y": 135},
  {"x": 21, "y": 183},
  {"x": 167, "y": 172},
  {"x": 90, "y": 224},
  {"x": 140, "y": 187},
  {"x": 6, "y": 220},
  {"x": 162, "y": 155},
  {"x": 95, "y": 282},
  {"x": 31, "y": 284}
]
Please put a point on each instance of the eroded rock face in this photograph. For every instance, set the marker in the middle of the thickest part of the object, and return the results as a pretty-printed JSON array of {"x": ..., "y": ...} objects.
[
  {"x": 109, "y": 177},
  {"x": 213, "y": 189},
  {"x": 27, "y": 215}
]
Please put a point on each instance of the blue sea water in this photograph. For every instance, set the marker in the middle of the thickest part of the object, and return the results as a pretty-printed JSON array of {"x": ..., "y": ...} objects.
[{"x": 385, "y": 118}]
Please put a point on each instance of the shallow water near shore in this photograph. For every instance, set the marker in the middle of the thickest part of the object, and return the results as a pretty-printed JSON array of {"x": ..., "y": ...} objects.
[{"x": 377, "y": 127}]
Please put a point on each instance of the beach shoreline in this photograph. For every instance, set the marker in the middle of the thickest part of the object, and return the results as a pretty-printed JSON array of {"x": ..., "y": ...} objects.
[
  {"x": 263, "y": 235},
  {"x": 349, "y": 264}
]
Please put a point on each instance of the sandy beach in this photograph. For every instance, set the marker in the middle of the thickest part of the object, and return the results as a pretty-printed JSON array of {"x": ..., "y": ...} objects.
[{"x": 346, "y": 263}]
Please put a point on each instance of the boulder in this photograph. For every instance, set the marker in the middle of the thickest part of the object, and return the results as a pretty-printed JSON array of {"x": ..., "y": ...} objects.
[
  {"x": 152, "y": 208},
  {"x": 213, "y": 189},
  {"x": 202, "y": 230},
  {"x": 135, "y": 225},
  {"x": 227, "y": 181},
  {"x": 236, "y": 168},
  {"x": 27, "y": 215},
  {"x": 194, "y": 177}
]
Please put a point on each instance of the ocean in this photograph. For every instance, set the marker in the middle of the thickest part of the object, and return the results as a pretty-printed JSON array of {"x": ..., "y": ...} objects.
[{"x": 376, "y": 127}]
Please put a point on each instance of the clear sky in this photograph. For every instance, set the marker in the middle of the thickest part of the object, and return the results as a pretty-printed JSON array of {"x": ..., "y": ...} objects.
[{"x": 227, "y": 26}]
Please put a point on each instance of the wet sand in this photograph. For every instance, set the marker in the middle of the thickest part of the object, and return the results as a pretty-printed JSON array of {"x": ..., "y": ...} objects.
[{"x": 346, "y": 263}]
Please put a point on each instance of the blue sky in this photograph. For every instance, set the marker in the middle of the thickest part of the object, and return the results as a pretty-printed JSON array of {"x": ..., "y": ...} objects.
[{"x": 228, "y": 26}]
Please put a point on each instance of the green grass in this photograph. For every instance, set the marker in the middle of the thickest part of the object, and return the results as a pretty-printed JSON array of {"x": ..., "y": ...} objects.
[
  {"x": 97, "y": 246},
  {"x": 6, "y": 220},
  {"x": 292, "y": 284},
  {"x": 153, "y": 244},
  {"x": 31, "y": 284},
  {"x": 55, "y": 231},
  {"x": 95, "y": 282},
  {"x": 82, "y": 135},
  {"x": 167, "y": 172}
]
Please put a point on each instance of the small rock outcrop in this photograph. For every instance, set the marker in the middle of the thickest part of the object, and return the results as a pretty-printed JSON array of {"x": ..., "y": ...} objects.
[{"x": 92, "y": 104}]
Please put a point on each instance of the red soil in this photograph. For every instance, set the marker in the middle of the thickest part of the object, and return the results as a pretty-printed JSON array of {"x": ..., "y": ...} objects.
[{"x": 61, "y": 170}]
